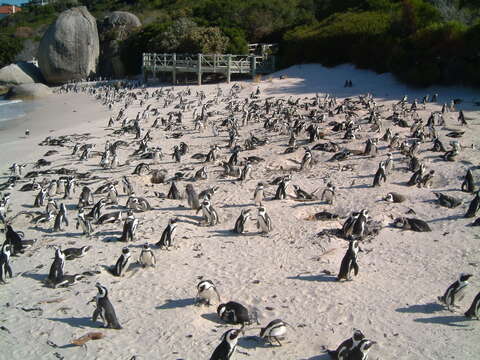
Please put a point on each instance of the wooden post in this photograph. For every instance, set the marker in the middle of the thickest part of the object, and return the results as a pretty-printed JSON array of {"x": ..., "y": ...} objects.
[
  {"x": 253, "y": 65},
  {"x": 174, "y": 69},
  {"x": 229, "y": 65},
  {"x": 199, "y": 69}
]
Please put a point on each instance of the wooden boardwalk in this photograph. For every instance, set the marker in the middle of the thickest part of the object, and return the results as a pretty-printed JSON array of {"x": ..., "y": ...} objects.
[{"x": 202, "y": 64}]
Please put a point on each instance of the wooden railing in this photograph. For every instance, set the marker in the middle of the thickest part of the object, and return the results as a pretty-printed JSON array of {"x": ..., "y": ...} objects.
[{"x": 199, "y": 63}]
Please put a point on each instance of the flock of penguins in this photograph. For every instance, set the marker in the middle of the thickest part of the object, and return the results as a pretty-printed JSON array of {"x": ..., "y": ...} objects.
[{"x": 304, "y": 122}]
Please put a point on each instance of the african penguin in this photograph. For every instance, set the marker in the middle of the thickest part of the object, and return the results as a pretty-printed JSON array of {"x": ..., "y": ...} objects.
[
  {"x": 206, "y": 292},
  {"x": 349, "y": 261},
  {"x": 104, "y": 309},
  {"x": 226, "y": 349},
  {"x": 456, "y": 291},
  {"x": 168, "y": 235},
  {"x": 5, "y": 268},
  {"x": 147, "y": 257},
  {"x": 120, "y": 266}
]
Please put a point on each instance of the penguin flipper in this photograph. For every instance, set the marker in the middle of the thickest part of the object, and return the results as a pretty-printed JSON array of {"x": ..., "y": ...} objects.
[
  {"x": 9, "y": 270},
  {"x": 95, "y": 315}
]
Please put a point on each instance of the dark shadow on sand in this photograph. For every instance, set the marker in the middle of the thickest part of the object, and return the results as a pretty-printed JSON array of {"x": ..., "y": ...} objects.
[
  {"x": 450, "y": 320},
  {"x": 174, "y": 304},
  {"x": 319, "y": 278},
  {"x": 77, "y": 322},
  {"x": 429, "y": 308}
]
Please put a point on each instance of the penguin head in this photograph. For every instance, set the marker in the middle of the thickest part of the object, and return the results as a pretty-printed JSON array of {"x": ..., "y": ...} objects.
[
  {"x": 261, "y": 209},
  {"x": 399, "y": 222},
  {"x": 102, "y": 290},
  {"x": 6, "y": 249},
  {"x": 146, "y": 246},
  {"x": 205, "y": 285},
  {"x": 464, "y": 276},
  {"x": 125, "y": 250},
  {"x": 232, "y": 335},
  {"x": 358, "y": 335},
  {"x": 389, "y": 197},
  {"x": 246, "y": 212}
]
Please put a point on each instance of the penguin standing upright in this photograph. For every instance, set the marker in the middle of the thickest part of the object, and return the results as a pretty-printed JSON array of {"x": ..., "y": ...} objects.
[
  {"x": 61, "y": 218},
  {"x": 84, "y": 223},
  {"x": 104, "y": 309},
  {"x": 474, "y": 206},
  {"x": 226, "y": 349},
  {"x": 86, "y": 197},
  {"x": 192, "y": 197},
  {"x": 242, "y": 219},
  {"x": 264, "y": 222},
  {"x": 210, "y": 215},
  {"x": 258, "y": 194},
  {"x": 147, "y": 257},
  {"x": 468, "y": 184},
  {"x": 380, "y": 175},
  {"x": 173, "y": 193},
  {"x": 121, "y": 265},
  {"x": 56, "y": 273},
  {"x": 5, "y": 268},
  {"x": 349, "y": 262},
  {"x": 206, "y": 291},
  {"x": 344, "y": 349},
  {"x": 127, "y": 186},
  {"x": 306, "y": 160},
  {"x": 168, "y": 235},
  {"x": 360, "y": 224},
  {"x": 281, "y": 192},
  {"x": 129, "y": 228},
  {"x": 474, "y": 309},
  {"x": 246, "y": 172},
  {"x": 40, "y": 198},
  {"x": 328, "y": 195},
  {"x": 456, "y": 291}
]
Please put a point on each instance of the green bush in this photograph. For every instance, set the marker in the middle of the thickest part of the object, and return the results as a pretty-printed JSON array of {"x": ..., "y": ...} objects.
[{"x": 9, "y": 47}]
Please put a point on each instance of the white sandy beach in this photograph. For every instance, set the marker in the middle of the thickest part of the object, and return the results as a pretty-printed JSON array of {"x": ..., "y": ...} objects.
[{"x": 393, "y": 300}]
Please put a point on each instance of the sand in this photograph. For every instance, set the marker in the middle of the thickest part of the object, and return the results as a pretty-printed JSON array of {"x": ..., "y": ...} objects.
[{"x": 283, "y": 275}]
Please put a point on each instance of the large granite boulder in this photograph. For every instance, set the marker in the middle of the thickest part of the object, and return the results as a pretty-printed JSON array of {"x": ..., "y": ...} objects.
[
  {"x": 70, "y": 48},
  {"x": 20, "y": 73},
  {"x": 115, "y": 28},
  {"x": 28, "y": 92}
]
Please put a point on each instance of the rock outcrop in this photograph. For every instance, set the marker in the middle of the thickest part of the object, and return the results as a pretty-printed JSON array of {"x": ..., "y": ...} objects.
[
  {"x": 114, "y": 28},
  {"x": 70, "y": 47},
  {"x": 28, "y": 92},
  {"x": 20, "y": 73}
]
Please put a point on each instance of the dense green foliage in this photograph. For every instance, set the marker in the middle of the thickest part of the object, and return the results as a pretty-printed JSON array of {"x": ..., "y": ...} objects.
[
  {"x": 9, "y": 47},
  {"x": 421, "y": 41}
]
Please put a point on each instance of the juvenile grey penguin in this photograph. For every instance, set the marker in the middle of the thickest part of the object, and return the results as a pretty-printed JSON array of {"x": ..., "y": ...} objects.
[
  {"x": 122, "y": 263},
  {"x": 344, "y": 349},
  {"x": 474, "y": 206},
  {"x": 206, "y": 292},
  {"x": 168, "y": 235},
  {"x": 456, "y": 291},
  {"x": 349, "y": 262},
  {"x": 61, "y": 218},
  {"x": 474, "y": 309},
  {"x": 192, "y": 197},
  {"x": 56, "y": 273},
  {"x": 104, "y": 309},
  {"x": 147, "y": 257},
  {"x": 468, "y": 184},
  {"x": 264, "y": 222},
  {"x": 241, "y": 221},
  {"x": 328, "y": 194},
  {"x": 233, "y": 313},
  {"x": 258, "y": 195},
  {"x": 275, "y": 330},
  {"x": 5, "y": 268},
  {"x": 226, "y": 349}
]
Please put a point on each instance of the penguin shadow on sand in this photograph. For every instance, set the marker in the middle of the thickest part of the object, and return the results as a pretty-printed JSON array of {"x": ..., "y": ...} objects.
[
  {"x": 42, "y": 278},
  {"x": 318, "y": 357},
  {"x": 318, "y": 278},
  {"x": 175, "y": 304},
  {"x": 213, "y": 317},
  {"x": 80, "y": 322},
  {"x": 449, "y": 320},
  {"x": 190, "y": 219},
  {"x": 428, "y": 308},
  {"x": 252, "y": 342}
]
